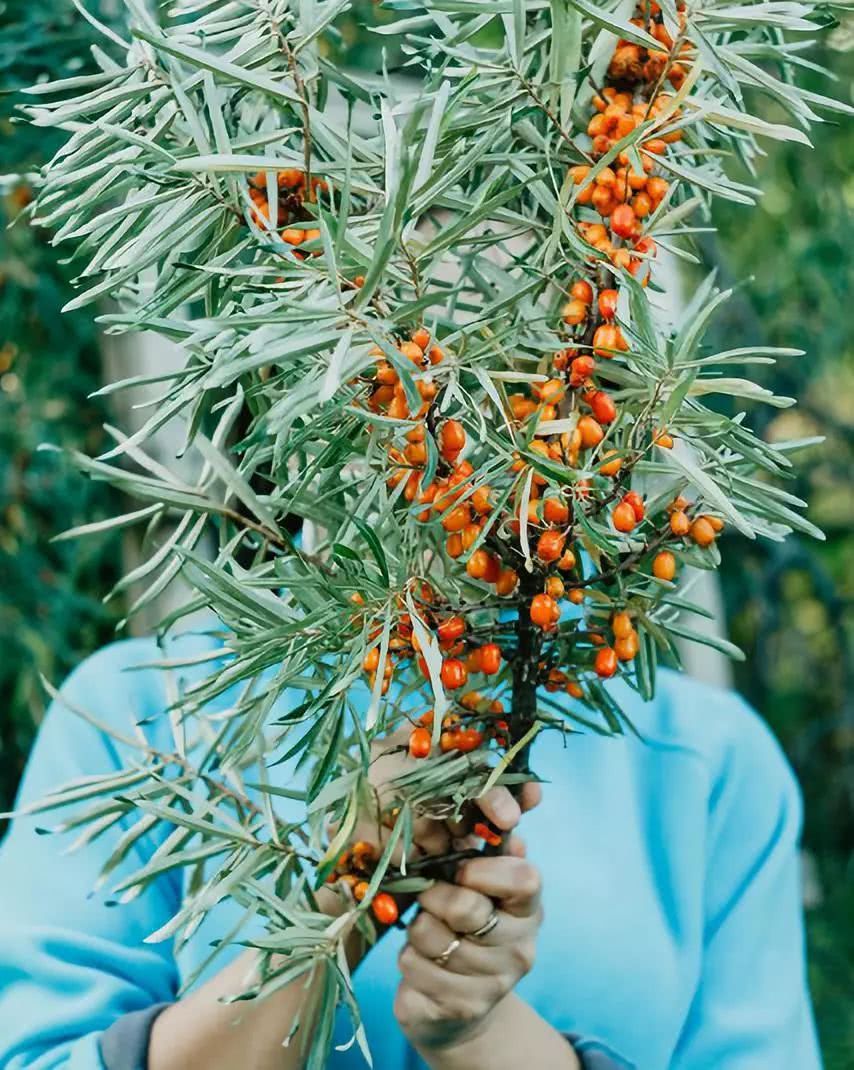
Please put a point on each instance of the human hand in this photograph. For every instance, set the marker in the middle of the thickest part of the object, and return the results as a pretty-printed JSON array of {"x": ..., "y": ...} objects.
[
  {"x": 432, "y": 836},
  {"x": 441, "y": 1005}
]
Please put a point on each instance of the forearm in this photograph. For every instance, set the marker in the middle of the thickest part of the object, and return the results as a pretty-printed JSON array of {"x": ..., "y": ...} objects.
[
  {"x": 512, "y": 1036},
  {"x": 201, "y": 1030}
]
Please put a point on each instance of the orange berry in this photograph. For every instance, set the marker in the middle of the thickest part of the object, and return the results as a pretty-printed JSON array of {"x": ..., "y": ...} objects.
[
  {"x": 470, "y": 535},
  {"x": 542, "y": 611},
  {"x": 484, "y": 832},
  {"x": 454, "y": 674},
  {"x": 478, "y": 564},
  {"x": 574, "y": 312},
  {"x": 371, "y": 660},
  {"x": 490, "y": 659},
  {"x": 507, "y": 582},
  {"x": 606, "y": 339},
  {"x": 656, "y": 187},
  {"x": 581, "y": 369},
  {"x": 420, "y": 743},
  {"x": 454, "y": 545},
  {"x": 582, "y": 291},
  {"x": 450, "y": 629},
  {"x": 636, "y": 502},
  {"x": 612, "y": 467},
  {"x": 385, "y": 909},
  {"x": 623, "y": 221},
  {"x": 623, "y": 517},
  {"x": 422, "y": 338},
  {"x": 603, "y": 200},
  {"x": 448, "y": 741},
  {"x": 646, "y": 246},
  {"x": 621, "y": 259},
  {"x": 663, "y": 439},
  {"x": 567, "y": 561},
  {"x": 493, "y": 569},
  {"x": 362, "y": 854},
  {"x": 602, "y": 406},
  {"x": 608, "y": 304},
  {"x": 416, "y": 453},
  {"x": 290, "y": 178},
  {"x": 550, "y": 546},
  {"x": 469, "y": 739},
  {"x": 680, "y": 523},
  {"x": 452, "y": 439},
  {"x": 457, "y": 518},
  {"x": 591, "y": 432},
  {"x": 627, "y": 649},
  {"x": 642, "y": 205},
  {"x": 605, "y": 662},
  {"x": 664, "y": 565},
  {"x": 655, "y": 145},
  {"x": 480, "y": 501},
  {"x": 621, "y": 625},
  {"x": 555, "y": 587},
  {"x": 555, "y": 510},
  {"x": 551, "y": 392},
  {"x": 702, "y": 532},
  {"x": 607, "y": 178}
]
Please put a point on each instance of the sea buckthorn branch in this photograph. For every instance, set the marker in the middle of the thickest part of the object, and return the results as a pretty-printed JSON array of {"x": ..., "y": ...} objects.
[{"x": 416, "y": 313}]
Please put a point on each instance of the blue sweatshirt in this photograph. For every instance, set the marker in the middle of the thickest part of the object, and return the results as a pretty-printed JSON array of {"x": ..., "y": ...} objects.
[{"x": 673, "y": 932}]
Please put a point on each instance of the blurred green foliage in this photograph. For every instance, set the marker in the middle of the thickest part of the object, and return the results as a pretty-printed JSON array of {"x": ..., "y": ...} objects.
[
  {"x": 789, "y": 606},
  {"x": 50, "y": 610}
]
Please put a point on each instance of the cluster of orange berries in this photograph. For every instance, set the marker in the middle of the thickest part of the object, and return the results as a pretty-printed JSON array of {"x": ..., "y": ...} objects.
[
  {"x": 460, "y": 731},
  {"x": 702, "y": 529},
  {"x": 629, "y": 512},
  {"x": 625, "y": 646},
  {"x": 389, "y": 397},
  {"x": 353, "y": 870},
  {"x": 461, "y": 655},
  {"x": 633, "y": 63},
  {"x": 620, "y": 194},
  {"x": 623, "y": 199},
  {"x": 292, "y": 194}
]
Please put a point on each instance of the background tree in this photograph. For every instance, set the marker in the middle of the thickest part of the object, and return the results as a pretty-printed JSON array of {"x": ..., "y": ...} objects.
[
  {"x": 528, "y": 205},
  {"x": 51, "y": 614}
]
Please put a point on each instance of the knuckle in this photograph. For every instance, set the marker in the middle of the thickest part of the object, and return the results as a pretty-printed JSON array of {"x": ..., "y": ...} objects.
[
  {"x": 504, "y": 984},
  {"x": 523, "y": 955},
  {"x": 406, "y": 958},
  {"x": 462, "y": 909},
  {"x": 528, "y": 882},
  {"x": 461, "y": 1012},
  {"x": 420, "y": 925},
  {"x": 404, "y": 1008}
]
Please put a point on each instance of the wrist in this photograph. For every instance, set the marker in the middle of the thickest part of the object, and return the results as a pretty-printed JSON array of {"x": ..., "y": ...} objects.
[
  {"x": 511, "y": 1035},
  {"x": 466, "y": 1047}
]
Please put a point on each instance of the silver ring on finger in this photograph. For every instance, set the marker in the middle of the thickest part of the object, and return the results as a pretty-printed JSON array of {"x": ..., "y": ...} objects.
[
  {"x": 443, "y": 959},
  {"x": 486, "y": 928}
]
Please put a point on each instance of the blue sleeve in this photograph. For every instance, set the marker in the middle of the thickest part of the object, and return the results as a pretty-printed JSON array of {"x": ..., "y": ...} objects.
[
  {"x": 752, "y": 1009},
  {"x": 70, "y": 965}
]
